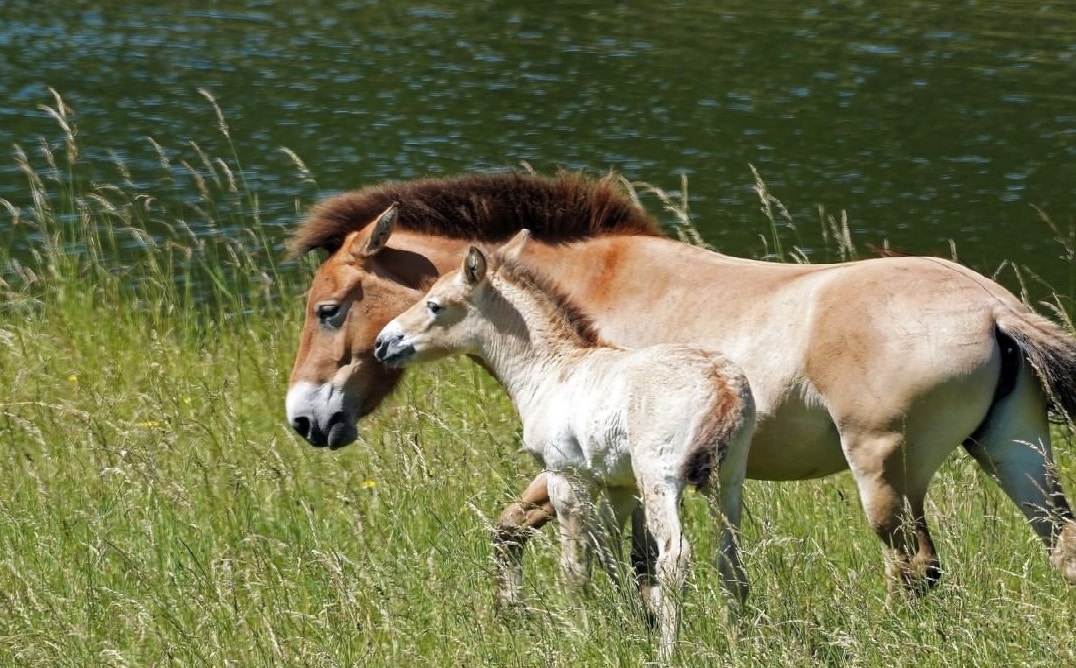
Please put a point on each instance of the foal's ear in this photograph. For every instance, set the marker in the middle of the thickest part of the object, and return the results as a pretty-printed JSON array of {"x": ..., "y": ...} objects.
[
  {"x": 474, "y": 266},
  {"x": 379, "y": 236},
  {"x": 514, "y": 248}
]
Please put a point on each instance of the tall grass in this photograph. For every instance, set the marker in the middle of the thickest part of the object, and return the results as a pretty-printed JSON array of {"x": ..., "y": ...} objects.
[{"x": 156, "y": 509}]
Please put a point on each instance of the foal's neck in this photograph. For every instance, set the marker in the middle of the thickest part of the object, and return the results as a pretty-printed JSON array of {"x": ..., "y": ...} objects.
[{"x": 534, "y": 331}]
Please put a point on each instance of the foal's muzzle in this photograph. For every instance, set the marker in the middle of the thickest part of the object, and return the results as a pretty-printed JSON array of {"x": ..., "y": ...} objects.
[{"x": 392, "y": 349}]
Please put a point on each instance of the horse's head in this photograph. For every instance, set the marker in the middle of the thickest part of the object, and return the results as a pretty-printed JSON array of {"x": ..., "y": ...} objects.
[
  {"x": 361, "y": 286},
  {"x": 366, "y": 282}
]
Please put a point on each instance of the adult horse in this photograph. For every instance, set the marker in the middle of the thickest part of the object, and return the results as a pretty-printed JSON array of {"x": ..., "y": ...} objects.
[{"x": 881, "y": 366}]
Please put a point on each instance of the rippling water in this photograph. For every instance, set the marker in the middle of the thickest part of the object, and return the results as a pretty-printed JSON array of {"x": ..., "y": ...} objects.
[{"x": 925, "y": 122}]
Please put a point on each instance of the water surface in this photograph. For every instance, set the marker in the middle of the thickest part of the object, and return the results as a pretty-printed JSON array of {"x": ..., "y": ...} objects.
[{"x": 925, "y": 122}]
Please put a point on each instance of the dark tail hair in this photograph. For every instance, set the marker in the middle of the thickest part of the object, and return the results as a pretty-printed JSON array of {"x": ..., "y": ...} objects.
[{"x": 1050, "y": 350}]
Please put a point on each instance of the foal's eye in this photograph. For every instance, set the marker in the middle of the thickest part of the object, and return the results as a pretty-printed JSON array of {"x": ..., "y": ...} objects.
[
  {"x": 433, "y": 307},
  {"x": 330, "y": 313}
]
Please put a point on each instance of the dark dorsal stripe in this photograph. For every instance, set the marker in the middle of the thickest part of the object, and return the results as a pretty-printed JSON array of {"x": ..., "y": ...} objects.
[{"x": 482, "y": 208}]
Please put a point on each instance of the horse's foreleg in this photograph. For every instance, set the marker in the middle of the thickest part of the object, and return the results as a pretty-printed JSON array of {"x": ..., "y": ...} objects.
[
  {"x": 517, "y": 522},
  {"x": 892, "y": 492}
]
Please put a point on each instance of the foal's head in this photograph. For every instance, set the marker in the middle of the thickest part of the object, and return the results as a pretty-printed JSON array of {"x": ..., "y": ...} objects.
[{"x": 450, "y": 318}]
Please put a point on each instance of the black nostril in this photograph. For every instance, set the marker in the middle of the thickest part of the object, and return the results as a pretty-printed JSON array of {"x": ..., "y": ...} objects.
[
  {"x": 302, "y": 425},
  {"x": 338, "y": 418}
]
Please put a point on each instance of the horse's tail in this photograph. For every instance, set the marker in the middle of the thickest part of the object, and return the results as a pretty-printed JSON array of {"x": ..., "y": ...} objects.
[{"x": 1050, "y": 350}]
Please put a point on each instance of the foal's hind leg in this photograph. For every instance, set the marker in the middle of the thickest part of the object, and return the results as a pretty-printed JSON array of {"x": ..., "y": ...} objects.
[
  {"x": 644, "y": 554},
  {"x": 1014, "y": 449},
  {"x": 661, "y": 502},
  {"x": 618, "y": 504},
  {"x": 515, "y": 526}
]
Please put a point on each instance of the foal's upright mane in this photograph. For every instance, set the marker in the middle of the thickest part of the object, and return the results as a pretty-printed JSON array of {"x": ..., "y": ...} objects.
[
  {"x": 566, "y": 313},
  {"x": 483, "y": 208}
]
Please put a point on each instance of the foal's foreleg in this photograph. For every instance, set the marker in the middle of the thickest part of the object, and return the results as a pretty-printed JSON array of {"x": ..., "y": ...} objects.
[
  {"x": 516, "y": 524},
  {"x": 575, "y": 510}
]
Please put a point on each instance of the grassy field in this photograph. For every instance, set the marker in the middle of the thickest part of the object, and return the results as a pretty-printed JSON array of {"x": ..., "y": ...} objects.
[{"x": 156, "y": 510}]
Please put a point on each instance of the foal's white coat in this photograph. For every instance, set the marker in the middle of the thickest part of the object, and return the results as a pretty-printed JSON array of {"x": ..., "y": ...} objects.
[{"x": 637, "y": 424}]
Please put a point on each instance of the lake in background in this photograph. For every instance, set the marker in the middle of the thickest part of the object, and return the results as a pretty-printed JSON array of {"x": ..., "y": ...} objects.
[{"x": 925, "y": 122}]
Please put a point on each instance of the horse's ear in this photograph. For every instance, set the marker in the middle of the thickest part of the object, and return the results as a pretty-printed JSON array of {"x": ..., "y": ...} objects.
[
  {"x": 514, "y": 248},
  {"x": 379, "y": 236},
  {"x": 474, "y": 266}
]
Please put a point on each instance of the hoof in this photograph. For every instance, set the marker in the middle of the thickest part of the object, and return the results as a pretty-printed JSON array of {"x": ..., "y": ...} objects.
[
  {"x": 914, "y": 578},
  {"x": 1063, "y": 554}
]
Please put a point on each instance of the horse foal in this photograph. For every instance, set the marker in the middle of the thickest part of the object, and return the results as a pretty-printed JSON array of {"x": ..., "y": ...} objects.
[{"x": 639, "y": 425}]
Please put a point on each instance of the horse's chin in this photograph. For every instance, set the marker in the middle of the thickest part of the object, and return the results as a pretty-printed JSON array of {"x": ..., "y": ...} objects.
[{"x": 342, "y": 434}]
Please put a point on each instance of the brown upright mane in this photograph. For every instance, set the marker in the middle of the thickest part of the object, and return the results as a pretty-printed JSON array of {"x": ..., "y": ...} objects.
[
  {"x": 483, "y": 208},
  {"x": 574, "y": 317}
]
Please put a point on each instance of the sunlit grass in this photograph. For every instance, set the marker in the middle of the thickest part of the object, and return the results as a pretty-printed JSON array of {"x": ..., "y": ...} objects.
[{"x": 157, "y": 510}]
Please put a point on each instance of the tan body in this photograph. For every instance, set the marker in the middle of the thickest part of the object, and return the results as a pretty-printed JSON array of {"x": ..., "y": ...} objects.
[{"x": 882, "y": 366}]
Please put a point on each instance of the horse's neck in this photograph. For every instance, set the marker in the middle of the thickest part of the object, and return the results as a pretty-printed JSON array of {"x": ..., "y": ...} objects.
[{"x": 527, "y": 340}]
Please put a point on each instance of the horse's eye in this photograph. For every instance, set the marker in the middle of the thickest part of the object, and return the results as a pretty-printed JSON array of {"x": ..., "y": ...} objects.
[
  {"x": 433, "y": 307},
  {"x": 330, "y": 314}
]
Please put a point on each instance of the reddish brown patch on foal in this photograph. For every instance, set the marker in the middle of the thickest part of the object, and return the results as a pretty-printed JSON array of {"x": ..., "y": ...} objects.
[{"x": 719, "y": 425}]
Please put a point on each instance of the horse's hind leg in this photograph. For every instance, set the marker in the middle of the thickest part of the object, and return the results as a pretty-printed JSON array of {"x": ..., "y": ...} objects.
[
  {"x": 516, "y": 524},
  {"x": 898, "y": 520},
  {"x": 1014, "y": 449}
]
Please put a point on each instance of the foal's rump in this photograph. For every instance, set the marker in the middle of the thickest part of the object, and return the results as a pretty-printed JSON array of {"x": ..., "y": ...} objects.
[{"x": 688, "y": 398}]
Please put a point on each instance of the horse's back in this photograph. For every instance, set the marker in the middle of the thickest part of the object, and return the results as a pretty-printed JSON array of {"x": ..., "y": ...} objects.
[{"x": 902, "y": 343}]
